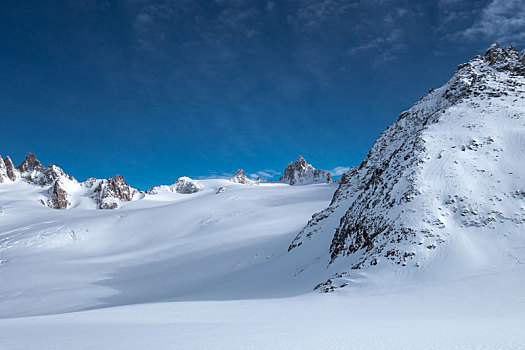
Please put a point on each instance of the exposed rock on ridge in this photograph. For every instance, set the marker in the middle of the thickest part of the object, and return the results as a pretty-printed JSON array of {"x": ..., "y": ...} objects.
[
  {"x": 302, "y": 173},
  {"x": 241, "y": 178},
  {"x": 59, "y": 198},
  {"x": 12, "y": 172},
  {"x": 184, "y": 185},
  {"x": 109, "y": 192}
]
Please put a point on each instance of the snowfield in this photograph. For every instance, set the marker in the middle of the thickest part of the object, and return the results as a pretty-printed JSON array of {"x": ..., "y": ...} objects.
[{"x": 212, "y": 271}]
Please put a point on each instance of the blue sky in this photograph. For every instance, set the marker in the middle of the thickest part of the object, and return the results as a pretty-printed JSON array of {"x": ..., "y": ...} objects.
[{"x": 157, "y": 89}]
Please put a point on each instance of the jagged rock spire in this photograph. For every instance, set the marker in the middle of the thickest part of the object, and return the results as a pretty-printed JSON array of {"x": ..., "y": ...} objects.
[
  {"x": 3, "y": 171},
  {"x": 241, "y": 178},
  {"x": 12, "y": 171},
  {"x": 111, "y": 191},
  {"x": 59, "y": 198},
  {"x": 30, "y": 163},
  {"x": 505, "y": 59},
  {"x": 301, "y": 172}
]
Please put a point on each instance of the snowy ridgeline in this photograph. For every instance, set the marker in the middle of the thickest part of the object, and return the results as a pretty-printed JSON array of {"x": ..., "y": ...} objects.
[
  {"x": 62, "y": 191},
  {"x": 446, "y": 179}
]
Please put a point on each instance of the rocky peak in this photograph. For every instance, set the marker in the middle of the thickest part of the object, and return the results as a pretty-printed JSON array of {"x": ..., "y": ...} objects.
[
  {"x": 301, "y": 172},
  {"x": 505, "y": 59},
  {"x": 184, "y": 185},
  {"x": 241, "y": 178},
  {"x": 12, "y": 172},
  {"x": 33, "y": 171},
  {"x": 109, "y": 192},
  {"x": 30, "y": 163},
  {"x": 187, "y": 185},
  {"x": 3, "y": 171}
]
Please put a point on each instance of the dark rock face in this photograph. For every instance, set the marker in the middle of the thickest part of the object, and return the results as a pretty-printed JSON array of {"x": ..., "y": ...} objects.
[
  {"x": 110, "y": 191},
  {"x": 30, "y": 164},
  {"x": 3, "y": 171},
  {"x": 185, "y": 185},
  {"x": 12, "y": 171},
  {"x": 33, "y": 171},
  {"x": 241, "y": 178},
  {"x": 300, "y": 172},
  {"x": 59, "y": 198},
  {"x": 221, "y": 190},
  {"x": 506, "y": 59}
]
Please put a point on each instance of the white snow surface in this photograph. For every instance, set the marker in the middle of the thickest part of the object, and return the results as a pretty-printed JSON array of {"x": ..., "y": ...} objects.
[{"x": 211, "y": 271}]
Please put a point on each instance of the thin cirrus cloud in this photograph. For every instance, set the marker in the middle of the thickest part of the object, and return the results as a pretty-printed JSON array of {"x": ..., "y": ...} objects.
[
  {"x": 339, "y": 170},
  {"x": 501, "y": 21},
  {"x": 266, "y": 174}
]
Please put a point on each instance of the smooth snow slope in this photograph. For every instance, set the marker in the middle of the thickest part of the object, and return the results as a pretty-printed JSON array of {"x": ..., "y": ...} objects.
[
  {"x": 167, "y": 246},
  {"x": 211, "y": 271}
]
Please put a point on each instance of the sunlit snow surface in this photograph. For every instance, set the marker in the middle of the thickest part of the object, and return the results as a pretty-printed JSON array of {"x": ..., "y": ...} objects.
[{"x": 212, "y": 271}]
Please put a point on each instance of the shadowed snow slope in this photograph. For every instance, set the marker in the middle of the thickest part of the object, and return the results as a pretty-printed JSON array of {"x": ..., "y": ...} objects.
[{"x": 167, "y": 246}]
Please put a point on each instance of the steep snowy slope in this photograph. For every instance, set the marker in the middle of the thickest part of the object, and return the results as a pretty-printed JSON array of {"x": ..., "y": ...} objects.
[{"x": 443, "y": 188}]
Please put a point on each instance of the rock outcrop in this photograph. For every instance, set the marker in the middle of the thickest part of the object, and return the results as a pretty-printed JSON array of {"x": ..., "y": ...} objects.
[
  {"x": 184, "y": 185},
  {"x": 12, "y": 172},
  {"x": 302, "y": 173},
  {"x": 241, "y": 178},
  {"x": 108, "y": 193},
  {"x": 33, "y": 171},
  {"x": 59, "y": 198},
  {"x": 3, "y": 171},
  {"x": 451, "y": 166}
]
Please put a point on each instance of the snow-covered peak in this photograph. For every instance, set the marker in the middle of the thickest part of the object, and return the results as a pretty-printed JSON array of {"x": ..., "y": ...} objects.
[
  {"x": 12, "y": 172},
  {"x": 187, "y": 185},
  {"x": 109, "y": 193},
  {"x": 184, "y": 185},
  {"x": 34, "y": 172},
  {"x": 302, "y": 173},
  {"x": 3, "y": 171},
  {"x": 30, "y": 163},
  {"x": 241, "y": 178},
  {"x": 450, "y": 169},
  {"x": 505, "y": 59}
]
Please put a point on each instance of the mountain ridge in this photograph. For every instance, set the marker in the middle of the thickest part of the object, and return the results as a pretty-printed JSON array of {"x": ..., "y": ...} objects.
[{"x": 420, "y": 183}]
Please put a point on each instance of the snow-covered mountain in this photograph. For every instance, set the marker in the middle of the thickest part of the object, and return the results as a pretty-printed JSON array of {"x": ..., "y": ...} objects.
[
  {"x": 447, "y": 178},
  {"x": 61, "y": 191},
  {"x": 241, "y": 178},
  {"x": 184, "y": 185},
  {"x": 302, "y": 173}
]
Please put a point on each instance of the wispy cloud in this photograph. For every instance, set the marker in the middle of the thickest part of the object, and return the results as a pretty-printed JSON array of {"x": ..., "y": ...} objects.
[
  {"x": 501, "y": 21},
  {"x": 265, "y": 174},
  {"x": 339, "y": 170}
]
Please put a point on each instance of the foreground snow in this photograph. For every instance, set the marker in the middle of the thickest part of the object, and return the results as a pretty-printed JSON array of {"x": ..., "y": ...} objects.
[
  {"x": 481, "y": 313},
  {"x": 211, "y": 270}
]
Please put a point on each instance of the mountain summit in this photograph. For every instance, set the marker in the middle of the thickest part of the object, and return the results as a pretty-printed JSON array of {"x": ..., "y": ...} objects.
[
  {"x": 241, "y": 178},
  {"x": 446, "y": 178},
  {"x": 302, "y": 173}
]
